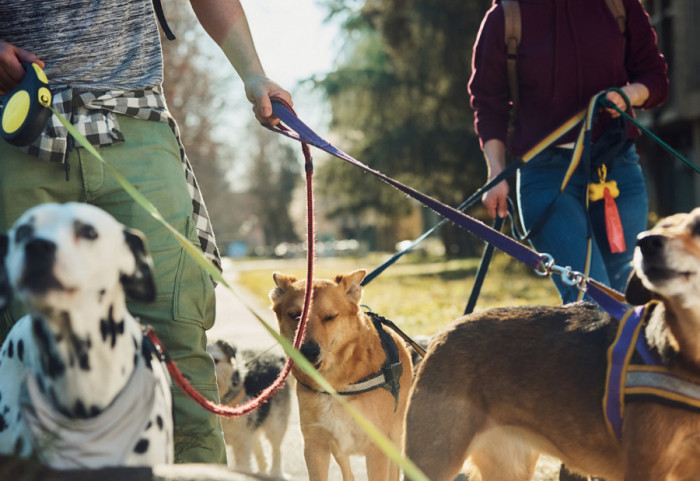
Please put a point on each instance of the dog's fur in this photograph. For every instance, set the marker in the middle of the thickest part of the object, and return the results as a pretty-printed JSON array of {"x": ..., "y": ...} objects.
[
  {"x": 241, "y": 375},
  {"x": 501, "y": 386},
  {"x": 344, "y": 346},
  {"x": 70, "y": 265}
]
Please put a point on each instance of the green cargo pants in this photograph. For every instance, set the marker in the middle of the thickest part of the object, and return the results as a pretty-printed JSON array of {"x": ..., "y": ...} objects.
[{"x": 185, "y": 306}]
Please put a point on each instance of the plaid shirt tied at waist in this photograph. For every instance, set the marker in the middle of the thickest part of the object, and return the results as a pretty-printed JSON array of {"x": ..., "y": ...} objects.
[{"x": 94, "y": 115}]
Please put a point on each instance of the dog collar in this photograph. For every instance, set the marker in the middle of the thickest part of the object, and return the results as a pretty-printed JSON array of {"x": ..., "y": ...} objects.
[
  {"x": 388, "y": 375},
  {"x": 641, "y": 377}
]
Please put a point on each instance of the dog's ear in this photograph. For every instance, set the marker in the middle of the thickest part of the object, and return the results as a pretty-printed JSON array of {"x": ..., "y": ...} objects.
[
  {"x": 636, "y": 293},
  {"x": 283, "y": 282},
  {"x": 5, "y": 289},
  {"x": 350, "y": 283},
  {"x": 228, "y": 349},
  {"x": 140, "y": 285}
]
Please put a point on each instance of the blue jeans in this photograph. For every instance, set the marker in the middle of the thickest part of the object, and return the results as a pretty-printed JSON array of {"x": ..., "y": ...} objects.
[{"x": 564, "y": 233}]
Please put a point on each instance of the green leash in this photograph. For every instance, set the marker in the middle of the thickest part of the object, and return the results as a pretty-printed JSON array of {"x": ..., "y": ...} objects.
[{"x": 609, "y": 105}]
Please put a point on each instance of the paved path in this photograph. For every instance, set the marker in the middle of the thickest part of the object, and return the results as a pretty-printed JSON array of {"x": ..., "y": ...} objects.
[{"x": 236, "y": 324}]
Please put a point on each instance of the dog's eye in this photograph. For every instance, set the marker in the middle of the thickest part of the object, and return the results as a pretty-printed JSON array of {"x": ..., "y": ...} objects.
[
  {"x": 695, "y": 229},
  {"x": 23, "y": 232},
  {"x": 330, "y": 318},
  {"x": 84, "y": 231},
  {"x": 294, "y": 315}
]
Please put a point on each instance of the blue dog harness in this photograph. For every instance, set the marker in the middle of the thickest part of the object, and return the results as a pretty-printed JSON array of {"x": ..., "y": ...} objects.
[{"x": 634, "y": 373}]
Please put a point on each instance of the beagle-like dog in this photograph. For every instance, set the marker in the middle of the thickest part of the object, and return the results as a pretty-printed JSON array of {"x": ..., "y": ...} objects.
[{"x": 499, "y": 387}]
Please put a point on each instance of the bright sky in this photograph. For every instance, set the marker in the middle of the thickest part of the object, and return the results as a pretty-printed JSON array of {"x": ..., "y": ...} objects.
[
  {"x": 293, "y": 44},
  {"x": 292, "y": 40}
]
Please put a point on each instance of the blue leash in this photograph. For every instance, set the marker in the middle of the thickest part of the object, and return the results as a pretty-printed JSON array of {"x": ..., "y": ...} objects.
[
  {"x": 302, "y": 133},
  {"x": 510, "y": 168},
  {"x": 608, "y": 104}
]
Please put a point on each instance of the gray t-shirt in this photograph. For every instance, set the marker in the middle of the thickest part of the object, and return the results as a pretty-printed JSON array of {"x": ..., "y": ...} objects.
[{"x": 88, "y": 44}]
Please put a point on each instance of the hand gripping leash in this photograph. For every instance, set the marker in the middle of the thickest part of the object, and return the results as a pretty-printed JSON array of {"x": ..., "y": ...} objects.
[{"x": 25, "y": 110}]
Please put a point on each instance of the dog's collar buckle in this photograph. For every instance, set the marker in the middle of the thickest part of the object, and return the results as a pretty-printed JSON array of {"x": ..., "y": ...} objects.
[{"x": 392, "y": 374}]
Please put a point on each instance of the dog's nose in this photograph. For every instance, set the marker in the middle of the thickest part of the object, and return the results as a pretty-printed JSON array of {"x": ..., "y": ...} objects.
[
  {"x": 310, "y": 351},
  {"x": 651, "y": 245},
  {"x": 39, "y": 249}
]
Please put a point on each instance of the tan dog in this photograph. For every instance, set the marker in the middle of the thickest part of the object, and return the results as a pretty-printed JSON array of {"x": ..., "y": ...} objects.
[
  {"x": 501, "y": 386},
  {"x": 345, "y": 346}
]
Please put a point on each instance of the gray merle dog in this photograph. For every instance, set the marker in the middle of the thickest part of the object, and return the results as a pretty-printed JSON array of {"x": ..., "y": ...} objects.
[{"x": 242, "y": 375}]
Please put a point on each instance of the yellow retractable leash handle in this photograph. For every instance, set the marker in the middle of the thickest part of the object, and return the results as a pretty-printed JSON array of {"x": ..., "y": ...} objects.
[{"x": 25, "y": 110}]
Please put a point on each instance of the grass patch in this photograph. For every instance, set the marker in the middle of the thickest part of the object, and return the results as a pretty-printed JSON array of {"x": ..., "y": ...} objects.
[{"x": 420, "y": 295}]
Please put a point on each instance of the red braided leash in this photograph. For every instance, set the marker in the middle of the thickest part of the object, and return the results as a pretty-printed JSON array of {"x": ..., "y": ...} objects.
[{"x": 253, "y": 404}]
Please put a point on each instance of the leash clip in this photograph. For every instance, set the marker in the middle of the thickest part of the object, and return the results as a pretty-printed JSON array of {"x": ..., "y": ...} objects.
[
  {"x": 545, "y": 267},
  {"x": 569, "y": 276}
]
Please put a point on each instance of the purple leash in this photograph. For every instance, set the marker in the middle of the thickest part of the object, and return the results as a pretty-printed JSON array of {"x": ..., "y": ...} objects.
[{"x": 302, "y": 133}]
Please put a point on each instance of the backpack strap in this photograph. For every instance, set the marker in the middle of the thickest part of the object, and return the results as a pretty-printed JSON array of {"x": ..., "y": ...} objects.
[
  {"x": 158, "y": 8},
  {"x": 618, "y": 12},
  {"x": 513, "y": 33}
]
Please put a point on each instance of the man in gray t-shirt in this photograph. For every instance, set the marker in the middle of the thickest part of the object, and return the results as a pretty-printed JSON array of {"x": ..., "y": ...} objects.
[{"x": 104, "y": 64}]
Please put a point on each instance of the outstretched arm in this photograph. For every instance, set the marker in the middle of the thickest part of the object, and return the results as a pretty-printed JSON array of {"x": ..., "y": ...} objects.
[{"x": 226, "y": 24}]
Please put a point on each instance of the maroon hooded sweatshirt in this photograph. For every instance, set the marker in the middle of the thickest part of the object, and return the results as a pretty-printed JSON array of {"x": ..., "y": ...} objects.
[{"x": 569, "y": 51}]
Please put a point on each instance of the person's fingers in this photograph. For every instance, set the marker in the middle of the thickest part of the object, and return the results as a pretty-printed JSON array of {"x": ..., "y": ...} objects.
[
  {"x": 619, "y": 102},
  {"x": 502, "y": 207},
  {"x": 264, "y": 106},
  {"x": 26, "y": 56}
]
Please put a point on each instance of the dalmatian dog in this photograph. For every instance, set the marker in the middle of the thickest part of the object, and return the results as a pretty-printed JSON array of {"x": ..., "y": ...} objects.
[{"x": 80, "y": 384}]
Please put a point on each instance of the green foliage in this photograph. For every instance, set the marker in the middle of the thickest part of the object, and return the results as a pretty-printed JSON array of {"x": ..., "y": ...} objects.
[
  {"x": 273, "y": 176},
  {"x": 400, "y": 103}
]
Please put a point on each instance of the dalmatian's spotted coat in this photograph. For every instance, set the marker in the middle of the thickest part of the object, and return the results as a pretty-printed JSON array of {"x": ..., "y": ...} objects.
[{"x": 78, "y": 351}]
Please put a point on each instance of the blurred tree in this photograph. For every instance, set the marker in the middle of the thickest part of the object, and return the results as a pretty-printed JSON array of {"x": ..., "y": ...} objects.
[
  {"x": 400, "y": 103},
  {"x": 272, "y": 178},
  {"x": 196, "y": 99},
  {"x": 199, "y": 97}
]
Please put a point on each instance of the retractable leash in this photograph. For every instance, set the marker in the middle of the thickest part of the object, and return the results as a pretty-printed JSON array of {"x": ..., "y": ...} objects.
[{"x": 26, "y": 109}]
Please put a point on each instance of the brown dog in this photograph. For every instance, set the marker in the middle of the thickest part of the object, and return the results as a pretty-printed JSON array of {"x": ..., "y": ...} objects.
[
  {"x": 343, "y": 343},
  {"x": 502, "y": 386}
]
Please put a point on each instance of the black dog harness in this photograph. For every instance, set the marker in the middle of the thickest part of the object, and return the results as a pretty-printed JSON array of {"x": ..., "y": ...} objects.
[{"x": 388, "y": 375}]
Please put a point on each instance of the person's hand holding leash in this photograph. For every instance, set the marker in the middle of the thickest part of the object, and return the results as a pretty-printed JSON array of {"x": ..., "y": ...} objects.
[
  {"x": 496, "y": 199},
  {"x": 259, "y": 89},
  {"x": 11, "y": 70},
  {"x": 636, "y": 93}
]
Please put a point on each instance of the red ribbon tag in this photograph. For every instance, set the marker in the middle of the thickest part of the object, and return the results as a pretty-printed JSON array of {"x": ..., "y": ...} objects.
[{"x": 613, "y": 225}]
